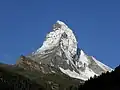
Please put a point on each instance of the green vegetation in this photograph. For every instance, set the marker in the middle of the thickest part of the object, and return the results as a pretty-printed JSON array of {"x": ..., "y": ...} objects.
[{"x": 16, "y": 78}]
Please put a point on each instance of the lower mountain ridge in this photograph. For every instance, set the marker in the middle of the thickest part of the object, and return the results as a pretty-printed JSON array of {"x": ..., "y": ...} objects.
[
  {"x": 27, "y": 74},
  {"x": 23, "y": 76}
]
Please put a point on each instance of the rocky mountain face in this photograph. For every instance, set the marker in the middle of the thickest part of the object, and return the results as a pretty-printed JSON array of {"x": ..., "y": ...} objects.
[
  {"x": 47, "y": 76},
  {"x": 60, "y": 51}
]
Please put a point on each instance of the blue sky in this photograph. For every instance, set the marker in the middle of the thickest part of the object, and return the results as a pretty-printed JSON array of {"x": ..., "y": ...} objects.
[{"x": 96, "y": 23}]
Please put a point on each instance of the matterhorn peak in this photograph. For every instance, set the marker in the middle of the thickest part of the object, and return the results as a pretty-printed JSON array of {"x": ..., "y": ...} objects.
[{"x": 61, "y": 36}]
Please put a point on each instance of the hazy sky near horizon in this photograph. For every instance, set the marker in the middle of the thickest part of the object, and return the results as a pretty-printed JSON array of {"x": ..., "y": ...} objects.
[{"x": 25, "y": 23}]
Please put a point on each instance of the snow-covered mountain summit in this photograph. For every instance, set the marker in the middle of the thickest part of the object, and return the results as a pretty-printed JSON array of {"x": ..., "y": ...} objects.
[
  {"x": 60, "y": 36},
  {"x": 60, "y": 51}
]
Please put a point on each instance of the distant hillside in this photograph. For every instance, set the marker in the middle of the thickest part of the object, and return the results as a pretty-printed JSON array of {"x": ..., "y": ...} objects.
[{"x": 108, "y": 81}]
